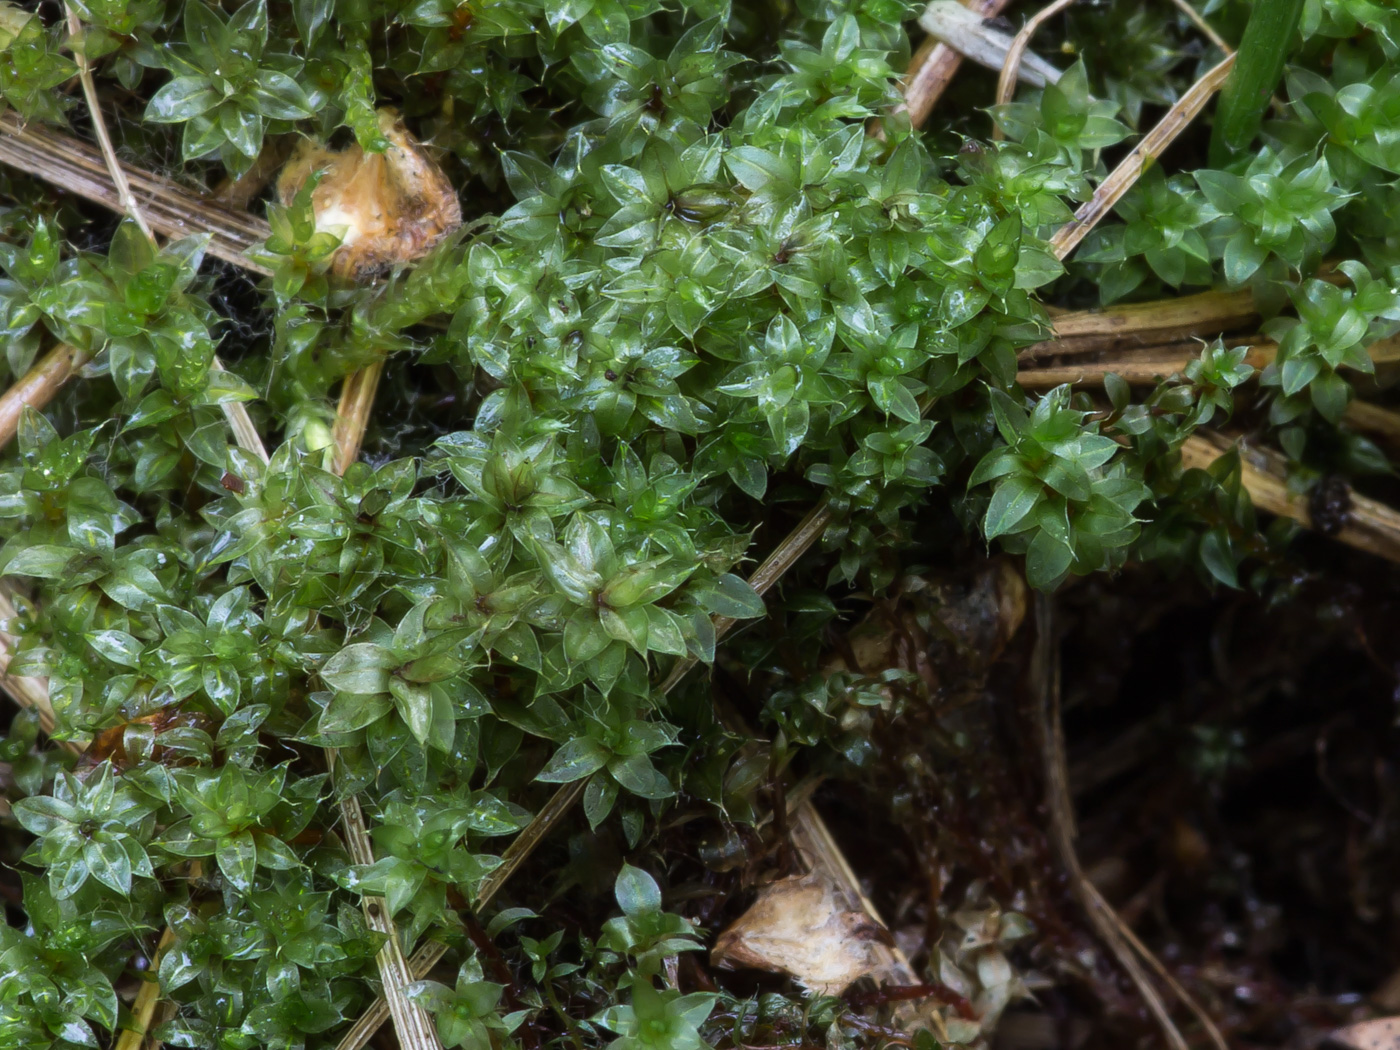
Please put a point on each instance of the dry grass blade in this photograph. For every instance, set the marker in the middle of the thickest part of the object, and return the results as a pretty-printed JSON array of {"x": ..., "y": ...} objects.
[
  {"x": 244, "y": 432},
  {"x": 1143, "y": 368},
  {"x": 412, "y": 1024},
  {"x": 1372, "y": 419},
  {"x": 143, "y": 1010},
  {"x": 1062, "y": 833},
  {"x": 1152, "y": 364},
  {"x": 37, "y": 387},
  {"x": 104, "y": 140},
  {"x": 414, "y": 1028},
  {"x": 1111, "y": 190},
  {"x": 1370, "y": 526},
  {"x": 1006, "y": 83},
  {"x": 73, "y": 165},
  {"x": 933, "y": 67},
  {"x": 426, "y": 957},
  {"x": 1131, "y": 325},
  {"x": 1145, "y": 324},
  {"x": 170, "y": 209},
  {"x": 352, "y": 414},
  {"x": 813, "y": 841},
  {"x": 1207, "y": 30}
]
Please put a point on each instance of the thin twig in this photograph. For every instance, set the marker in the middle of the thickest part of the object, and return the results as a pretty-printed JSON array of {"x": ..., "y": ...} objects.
[
  {"x": 1006, "y": 83},
  {"x": 99, "y": 125},
  {"x": 933, "y": 67},
  {"x": 1148, "y": 956},
  {"x": 352, "y": 415},
  {"x": 1111, "y": 190},
  {"x": 1370, "y": 525},
  {"x": 1063, "y": 828},
  {"x": 1061, "y": 811}
]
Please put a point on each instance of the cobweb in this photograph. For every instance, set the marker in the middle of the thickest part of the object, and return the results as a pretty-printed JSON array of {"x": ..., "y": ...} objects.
[
  {"x": 234, "y": 293},
  {"x": 247, "y": 322}
]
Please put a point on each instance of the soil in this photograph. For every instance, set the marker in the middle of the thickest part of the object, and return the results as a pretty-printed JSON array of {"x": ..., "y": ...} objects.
[{"x": 1232, "y": 761}]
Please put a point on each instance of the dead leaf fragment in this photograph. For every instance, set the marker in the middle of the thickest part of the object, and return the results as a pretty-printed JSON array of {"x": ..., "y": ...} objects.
[
  {"x": 388, "y": 208},
  {"x": 1380, "y": 1034},
  {"x": 804, "y": 927}
]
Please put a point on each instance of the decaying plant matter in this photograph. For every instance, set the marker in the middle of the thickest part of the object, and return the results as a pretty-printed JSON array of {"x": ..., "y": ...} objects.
[
  {"x": 801, "y": 926},
  {"x": 387, "y": 208}
]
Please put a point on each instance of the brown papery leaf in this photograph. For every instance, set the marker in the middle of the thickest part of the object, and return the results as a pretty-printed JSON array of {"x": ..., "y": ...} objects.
[
  {"x": 803, "y": 927},
  {"x": 1380, "y": 1034}
]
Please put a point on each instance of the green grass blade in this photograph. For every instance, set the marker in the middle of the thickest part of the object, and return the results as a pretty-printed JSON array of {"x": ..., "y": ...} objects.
[{"x": 1257, "y": 70}]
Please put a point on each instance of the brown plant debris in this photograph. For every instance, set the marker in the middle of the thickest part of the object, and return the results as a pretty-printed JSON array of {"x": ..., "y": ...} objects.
[
  {"x": 388, "y": 208},
  {"x": 805, "y": 927},
  {"x": 1380, "y": 1034},
  {"x": 172, "y": 210},
  {"x": 979, "y": 39},
  {"x": 933, "y": 66}
]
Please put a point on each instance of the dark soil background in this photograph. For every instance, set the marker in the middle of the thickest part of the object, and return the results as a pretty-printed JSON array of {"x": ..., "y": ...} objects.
[{"x": 1232, "y": 761}]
